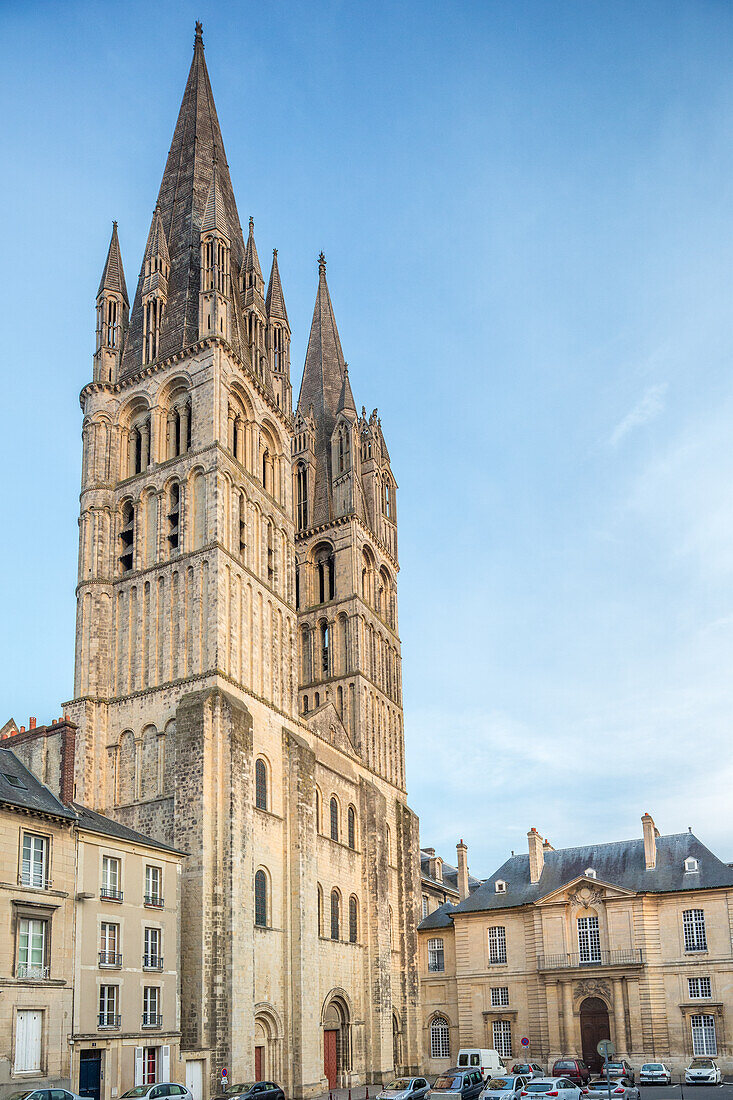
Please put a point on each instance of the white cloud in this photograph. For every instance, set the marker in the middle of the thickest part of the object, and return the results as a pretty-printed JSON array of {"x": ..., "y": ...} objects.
[{"x": 646, "y": 409}]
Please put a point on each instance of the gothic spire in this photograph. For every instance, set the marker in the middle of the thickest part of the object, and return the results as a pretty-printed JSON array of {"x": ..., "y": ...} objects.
[
  {"x": 251, "y": 259},
  {"x": 113, "y": 276},
  {"x": 157, "y": 244},
  {"x": 323, "y": 373},
  {"x": 182, "y": 202},
  {"x": 346, "y": 400},
  {"x": 275, "y": 300}
]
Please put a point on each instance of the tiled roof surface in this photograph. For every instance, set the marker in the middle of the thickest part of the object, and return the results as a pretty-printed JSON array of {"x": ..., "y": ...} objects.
[{"x": 98, "y": 823}]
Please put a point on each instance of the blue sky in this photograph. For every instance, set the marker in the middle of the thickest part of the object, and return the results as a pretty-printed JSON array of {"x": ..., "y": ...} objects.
[{"x": 527, "y": 210}]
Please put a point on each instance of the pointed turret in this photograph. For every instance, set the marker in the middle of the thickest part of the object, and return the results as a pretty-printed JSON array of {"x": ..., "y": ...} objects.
[
  {"x": 278, "y": 337},
  {"x": 255, "y": 314},
  {"x": 251, "y": 270},
  {"x": 154, "y": 292},
  {"x": 112, "y": 314},
  {"x": 196, "y": 155},
  {"x": 346, "y": 400}
]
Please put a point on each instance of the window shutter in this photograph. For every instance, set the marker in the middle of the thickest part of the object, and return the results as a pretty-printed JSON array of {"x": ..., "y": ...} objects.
[
  {"x": 138, "y": 1065},
  {"x": 165, "y": 1064}
]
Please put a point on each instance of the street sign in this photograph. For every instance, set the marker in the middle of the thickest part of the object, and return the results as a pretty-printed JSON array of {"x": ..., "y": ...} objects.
[
  {"x": 224, "y": 1074},
  {"x": 606, "y": 1049},
  {"x": 525, "y": 1041}
]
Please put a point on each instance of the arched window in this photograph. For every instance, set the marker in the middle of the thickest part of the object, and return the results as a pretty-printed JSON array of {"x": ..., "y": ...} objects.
[
  {"x": 242, "y": 526},
  {"x": 127, "y": 536},
  {"x": 301, "y": 489},
  {"x": 325, "y": 646},
  {"x": 305, "y": 704},
  {"x": 261, "y": 785},
  {"x": 334, "y": 819},
  {"x": 325, "y": 570},
  {"x": 439, "y": 1038},
  {"x": 261, "y": 899},
  {"x": 335, "y": 914},
  {"x": 353, "y": 919},
  {"x": 174, "y": 515},
  {"x": 320, "y": 910},
  {"x": 351, "y": 824}
]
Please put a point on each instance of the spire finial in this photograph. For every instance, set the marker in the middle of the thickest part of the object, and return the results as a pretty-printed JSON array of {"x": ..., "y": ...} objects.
[
  {"x": 322, "y": 264},
  {"x": 114, "y": 225},
  {"x": 199, "y": 33},
  {"x": 251, "y": 224},
  {"x": 274, "y": 252}
]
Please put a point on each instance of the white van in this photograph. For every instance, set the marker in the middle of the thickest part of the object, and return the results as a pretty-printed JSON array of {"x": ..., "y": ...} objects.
[{"x": 488, "y": 1061}]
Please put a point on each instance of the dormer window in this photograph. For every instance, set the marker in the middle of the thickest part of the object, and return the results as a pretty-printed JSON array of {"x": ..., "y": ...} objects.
[
  {"x": 590, "y": 872},
  {"x": 691, "y": 865},
  {"x": 500, "y": 886}
]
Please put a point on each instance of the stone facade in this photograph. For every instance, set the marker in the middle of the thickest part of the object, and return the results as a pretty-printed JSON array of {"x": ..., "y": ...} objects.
[
  {"x": 299, "y": 948},
  {"x": 629, "y": 941}
]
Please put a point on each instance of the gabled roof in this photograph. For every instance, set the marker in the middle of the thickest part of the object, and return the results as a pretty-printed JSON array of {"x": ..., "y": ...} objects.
[
  {"x": 19, "y": 787},
  {"x": 620, "y": 863},
  {"x": 197, "y": 145},
  {"x": 113, "y": 276},
  {"x": 106, "y": 826},
  {"x": 275, "y": 300}
]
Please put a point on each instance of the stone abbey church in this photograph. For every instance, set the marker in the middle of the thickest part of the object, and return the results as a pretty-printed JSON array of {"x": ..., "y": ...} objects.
[{"x": 238, "y": 669}]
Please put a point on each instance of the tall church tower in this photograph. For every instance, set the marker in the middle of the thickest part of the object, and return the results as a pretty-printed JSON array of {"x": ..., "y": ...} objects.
[{"x": 301, "y": 877}]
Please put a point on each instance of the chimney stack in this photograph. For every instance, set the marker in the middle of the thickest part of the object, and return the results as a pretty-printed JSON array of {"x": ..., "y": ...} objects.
[
  {"x": 651, "y": 832},
  {"x": 31, "y": 723},
  {"x": 536, "y": 855},
  {"x": 462, "y": 854}
]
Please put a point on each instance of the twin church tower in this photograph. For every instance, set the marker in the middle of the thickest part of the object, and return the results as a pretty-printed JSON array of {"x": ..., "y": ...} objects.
[{"x": 238, "y": 672}]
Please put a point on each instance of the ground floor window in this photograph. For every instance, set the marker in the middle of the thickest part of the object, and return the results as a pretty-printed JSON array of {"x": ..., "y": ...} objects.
[
  {"x": 703, "y": 1035},
  {"x": 439, "y": 1038},
  {"x": 503, "y": 1038},
  {"x": 28, "y": 1031},
  {"x": 150, "y": 1065}
]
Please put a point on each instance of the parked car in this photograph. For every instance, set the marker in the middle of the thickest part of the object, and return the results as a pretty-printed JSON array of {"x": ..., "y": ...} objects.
[
  {"x": 574, "y": 1068},
  {"x": 44, "y": 1094},
  {"x": 458, "y": 1084},
  {"x": 158, "y": 1092},
  {"x": 504, "y": 1088},
  {"x": 621, "y": 1089},
  {"x": 488, "y": 1061},
  {"x": 703, "y": 1071},
  {"x": 405, "y": 1088},
  {"x": 528, "y": 1069},
  {"x": 619, "y": 1067},
  {"x": 259, "y": 1090},
  {"x": 654, "y": 1073},
  {"x": 552, "y": 1086}
]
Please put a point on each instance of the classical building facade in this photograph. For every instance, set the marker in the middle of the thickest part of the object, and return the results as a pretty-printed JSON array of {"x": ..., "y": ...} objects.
[
  {"x": 631, "y": 941},
  {"x": 237, "y": 684}
]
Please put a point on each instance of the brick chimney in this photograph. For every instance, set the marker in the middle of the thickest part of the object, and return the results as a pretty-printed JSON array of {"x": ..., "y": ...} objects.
[
  {"x": 651, "y": 832},
  {"x": 48, "y": 751},
  {"x": 536, "y": 855},
  {"x": 462, "y": 860}
]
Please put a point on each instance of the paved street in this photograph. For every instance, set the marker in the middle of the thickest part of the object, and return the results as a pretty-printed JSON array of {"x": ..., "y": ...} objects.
[{"x": 673, "y": 1092}]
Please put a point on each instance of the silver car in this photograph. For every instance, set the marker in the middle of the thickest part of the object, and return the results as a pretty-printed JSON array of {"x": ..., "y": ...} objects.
[
  {"x": 507, "y": 1087},
  {"x": 405, "y": 1088},
  {"x": 620, "y": 1089}
]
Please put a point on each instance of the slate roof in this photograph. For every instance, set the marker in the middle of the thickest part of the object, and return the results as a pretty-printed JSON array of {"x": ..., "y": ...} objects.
[
  {"x": 105, "y": 826},
  {"x": 620, "y": 863},
  {"x": 31, "y": 794},
  {"x": 196, "y": 147},
  {"x": 439, "y": 918},
  {"x": 450, "y": 874}
]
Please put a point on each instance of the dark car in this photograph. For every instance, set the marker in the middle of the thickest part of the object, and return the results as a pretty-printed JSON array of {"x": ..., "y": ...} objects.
[
  {"x": 619, "y": 1067},
  {"x": 574, "y": 1069},
  {"x": 259, "y": 1090},
  {"x": 458, "y": 1084}
]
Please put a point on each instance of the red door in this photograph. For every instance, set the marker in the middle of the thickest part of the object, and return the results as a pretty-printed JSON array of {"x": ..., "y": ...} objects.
[
  {"x": 329, "y": 1057},
  {"x": 258, "y": 1063}
]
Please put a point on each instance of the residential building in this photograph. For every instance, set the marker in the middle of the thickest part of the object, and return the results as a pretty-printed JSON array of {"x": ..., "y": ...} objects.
[
  {"x": 238, "y": 686},
  {"x": 629, "y": 941},
  {"x": 441, "y": 882}
]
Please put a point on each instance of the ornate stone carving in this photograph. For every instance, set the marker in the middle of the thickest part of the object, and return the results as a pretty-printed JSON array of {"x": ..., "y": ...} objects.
[
  {"x": 586, "y": 896},
  {"x": 592, "y": 987}
]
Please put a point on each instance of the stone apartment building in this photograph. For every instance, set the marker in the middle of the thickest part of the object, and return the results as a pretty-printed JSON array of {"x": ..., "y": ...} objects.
[
  {"x": 631, "y": 941},
  {"x": 238, "y": 686},
  {"x": 441, "y": 882},
  {"x": 92, "y": 907}
]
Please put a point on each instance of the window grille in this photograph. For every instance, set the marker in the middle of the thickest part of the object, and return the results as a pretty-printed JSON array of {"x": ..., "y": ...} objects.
[
  {"x": 589, "y": 940},
  {"x": 497, "y": 945},
  {"x": 261, "y": 899},
  {"x": 260, "y": 785},
  {"x": 693, "y": 924},
  {"x": 500, "y": 996},
  {"x": 502, "y": 1038},
  {"x": 703, "y": 1035},
  {"x": 699, "y": 987},
  {"x": 436, "y": 955},
  {"x": 439, "y": 1038}
]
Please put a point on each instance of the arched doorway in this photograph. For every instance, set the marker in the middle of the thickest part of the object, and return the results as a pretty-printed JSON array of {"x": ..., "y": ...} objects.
[
  {"x": 336, "y": 1043},
  {"x": 594, "y": 1026}
]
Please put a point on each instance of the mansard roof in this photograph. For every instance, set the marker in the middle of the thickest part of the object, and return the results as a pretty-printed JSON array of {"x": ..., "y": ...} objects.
[
  {"x": 113, "y": 276},
  {"x": 182, "y": 200},
  {"x": 619, "y": 863}
]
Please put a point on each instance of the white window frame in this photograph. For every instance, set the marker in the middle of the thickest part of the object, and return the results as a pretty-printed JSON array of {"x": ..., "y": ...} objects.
[
  {"x": 589, "y": 940},
  {"x": 109, "y": 941},
  {"x": 32, "y": 940},
  {"x": 502, "y": 1035},
  {"x": 693, "y": 928},
  {"x": 497, "y": 944},
  {"x": 500, "y": 996},
  {"x": 699, "y": 988},
  {"x": 152, "y": 957},
  {"x": 436, "y": 955},
  {"x": 34, "y": 865},
  {"x": 147, "y": 1052},
  {"x": 424, "y": 906},
  {"x": 111, "y": 875},
  {"x": 704, "y": 1038},
  {"x": 439, "y": 1038},
  {"x": 109, "y": 1005},
  {"x": 153, "y": 884},
  {"x": 151, "y": 1005}
]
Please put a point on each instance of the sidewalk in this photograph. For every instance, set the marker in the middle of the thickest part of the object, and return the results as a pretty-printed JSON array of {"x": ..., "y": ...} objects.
[{"x": 358, "y": 1092}]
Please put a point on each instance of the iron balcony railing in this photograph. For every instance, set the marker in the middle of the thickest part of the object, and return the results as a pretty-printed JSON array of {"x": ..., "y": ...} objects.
[
  {"x": 110, "y": 893},
  {"x": 153, "y": 901},
  {"x": 152, "y": 962},
  {"x": 152, "y": 1019},
  {"x": 625, "y": 956},
  {"x": 109, "y": 958},
  {"x": 32, "y": 973},
  {"x": 109, "y": 1020}
]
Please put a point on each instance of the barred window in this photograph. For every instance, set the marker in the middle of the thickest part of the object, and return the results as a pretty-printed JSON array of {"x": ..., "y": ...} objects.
[
  {"x": 439, "y": 1038},
  {"x": 500, "y": 996},
  {"x": 502, "y": 1038},
  {"x": 703, "y": 1035},
  {"x": 260, "y": 785},
  {"x": 261, "y": 899},
  {"x": 699, "y": 987},
  {"x": 693, "y": 924},
  {"x": 589, "y": 940},
  {"x": 436, "y": 957},
  {"x": 497, "y": 945}
]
